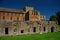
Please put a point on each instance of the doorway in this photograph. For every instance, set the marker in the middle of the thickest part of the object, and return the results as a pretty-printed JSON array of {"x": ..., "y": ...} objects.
[
  {"x": 52, "y": 29},
  {"x": 6, "y": 30},
  {"x": 34, "y": 29},
  {"x": 22, "y": 31},
  {"x": 44, "y": 29}
]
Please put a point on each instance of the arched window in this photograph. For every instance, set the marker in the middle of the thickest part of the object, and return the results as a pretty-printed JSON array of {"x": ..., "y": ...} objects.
[{"x": 27, "y": 16}]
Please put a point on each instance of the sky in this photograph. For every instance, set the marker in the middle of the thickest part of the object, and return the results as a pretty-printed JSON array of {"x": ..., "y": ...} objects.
[{"x": 46, "y": 7}]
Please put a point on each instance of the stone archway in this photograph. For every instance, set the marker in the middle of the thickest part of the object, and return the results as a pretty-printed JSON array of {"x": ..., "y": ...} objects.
[{"x": 52, "y": 29}]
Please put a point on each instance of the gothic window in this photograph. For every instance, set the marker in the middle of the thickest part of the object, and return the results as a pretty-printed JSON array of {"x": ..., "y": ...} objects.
[
  {"x": 36, "y": 13},
  {"x": 27, "y": 16}
]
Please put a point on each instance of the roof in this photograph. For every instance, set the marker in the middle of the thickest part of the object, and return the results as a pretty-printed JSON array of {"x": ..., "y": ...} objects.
[{"x": 10, "y": 10}]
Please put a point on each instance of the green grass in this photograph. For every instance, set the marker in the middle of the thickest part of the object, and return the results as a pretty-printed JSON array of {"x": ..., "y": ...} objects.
[
  {"x": 47, "y": 36},
  {"x": 59, "y": 26}
]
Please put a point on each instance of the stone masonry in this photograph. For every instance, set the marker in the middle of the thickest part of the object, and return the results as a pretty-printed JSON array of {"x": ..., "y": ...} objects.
[{"x": 23, "y": 22}]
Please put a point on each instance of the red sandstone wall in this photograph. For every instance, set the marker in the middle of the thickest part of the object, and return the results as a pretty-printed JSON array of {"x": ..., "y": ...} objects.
[
  {"x": 1, "y": 16},
  {"x": 11, "y": 16},
  {"x": 34, "y": 18}
]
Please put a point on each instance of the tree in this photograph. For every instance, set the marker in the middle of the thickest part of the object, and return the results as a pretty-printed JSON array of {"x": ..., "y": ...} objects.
[
  {"x": 58, "y": 17},
  {"x": 52, "y": 18}
]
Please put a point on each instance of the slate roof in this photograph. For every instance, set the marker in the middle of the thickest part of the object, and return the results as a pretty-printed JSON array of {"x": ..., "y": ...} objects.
[{"x": 10, "y": 10}]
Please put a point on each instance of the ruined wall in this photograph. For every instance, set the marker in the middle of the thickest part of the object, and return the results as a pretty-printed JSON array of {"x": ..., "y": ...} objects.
[
  {"x": 26, "y": 27},
  {"x": 28, "y": 22}
]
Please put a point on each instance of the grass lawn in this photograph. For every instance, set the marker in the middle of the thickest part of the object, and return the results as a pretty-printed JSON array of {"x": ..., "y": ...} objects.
[
  {"x": 47, "y": 36},
  {"x": 59, "y": 26}
]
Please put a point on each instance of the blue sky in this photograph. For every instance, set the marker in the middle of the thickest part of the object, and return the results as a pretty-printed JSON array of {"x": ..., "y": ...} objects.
[{"x": 46, "y": 7}]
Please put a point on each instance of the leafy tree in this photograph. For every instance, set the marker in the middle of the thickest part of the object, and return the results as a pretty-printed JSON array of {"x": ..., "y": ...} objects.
[
  {"x": 53, "y": 18},
  {"x": 58, "y": 17}
]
